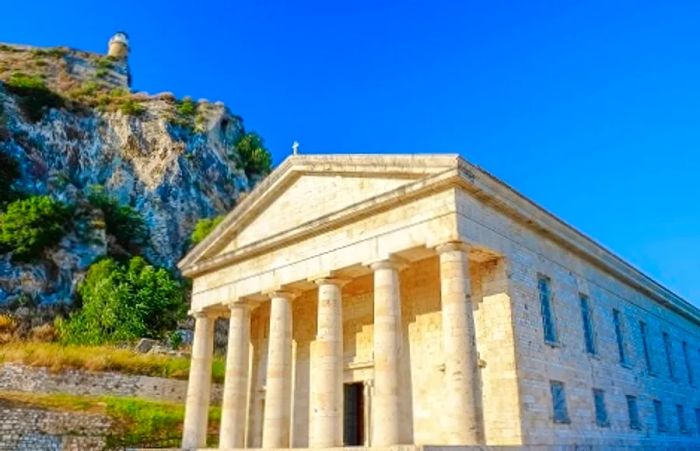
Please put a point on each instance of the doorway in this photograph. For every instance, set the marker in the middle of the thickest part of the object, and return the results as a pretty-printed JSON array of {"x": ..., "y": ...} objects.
[{"x": 353, "y": 416}]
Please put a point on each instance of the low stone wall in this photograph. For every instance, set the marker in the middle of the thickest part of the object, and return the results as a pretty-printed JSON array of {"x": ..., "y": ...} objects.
[
  {"x": 16, "y": 377},
  {"x": 28, "y": 429}
]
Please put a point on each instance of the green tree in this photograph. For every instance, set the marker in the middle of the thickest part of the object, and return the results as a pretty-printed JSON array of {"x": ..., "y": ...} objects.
[
  {"x": 31, "y": 225},
  {"x": 124, "y": 302},
  {"x": 203, "y": 228},
  {"x": 252, "y": 154},
  {"x": 123, "y": 222}
]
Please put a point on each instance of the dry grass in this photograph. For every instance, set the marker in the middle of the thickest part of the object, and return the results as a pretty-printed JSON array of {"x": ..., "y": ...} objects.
[
  {"x": 7, "y": 323},
  {"x": 56, "y": 401},
  {"x": 44, "y": 333},
  {"x": 57, "y": 358},
  {"x": 8, "y": 326}
]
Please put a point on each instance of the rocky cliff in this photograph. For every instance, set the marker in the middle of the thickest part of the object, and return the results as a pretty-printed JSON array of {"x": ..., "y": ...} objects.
[{"x": 70, "y": 122}]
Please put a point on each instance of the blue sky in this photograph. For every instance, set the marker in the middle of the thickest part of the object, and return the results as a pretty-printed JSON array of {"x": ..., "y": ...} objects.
[{"x": 592, "y": 109}]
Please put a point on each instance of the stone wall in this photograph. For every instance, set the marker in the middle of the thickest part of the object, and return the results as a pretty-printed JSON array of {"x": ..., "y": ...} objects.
[
  {"x": 15, "y": 377},
  {"x": 528, "y": 254},
  {"x": 28, "y": 429}
]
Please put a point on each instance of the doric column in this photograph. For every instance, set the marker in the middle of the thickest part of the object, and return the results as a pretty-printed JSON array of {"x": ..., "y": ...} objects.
[
  {"x": 326, "y": 389},
  {"x": 235, "y": 397},
  {"x": 386, "y": 425},
  {"x": 194, "y": 434},
  {"x": 276, "y": 425},
  {"x": 459, "y": 345}
]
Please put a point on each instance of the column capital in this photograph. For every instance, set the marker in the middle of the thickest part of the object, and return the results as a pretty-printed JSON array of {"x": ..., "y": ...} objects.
[
  {"x": 238, "y": 304},
  {"x": 392, "y": 262},
  {"x": 337, "y": 281},
  {"x": 201, "y": 313},
  {"x": 452, "y": 246},
  {"x": 285, "y": 294}
]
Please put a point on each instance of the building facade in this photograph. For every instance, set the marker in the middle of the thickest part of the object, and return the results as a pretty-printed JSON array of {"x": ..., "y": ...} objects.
[{"x": 417, "y": 300}]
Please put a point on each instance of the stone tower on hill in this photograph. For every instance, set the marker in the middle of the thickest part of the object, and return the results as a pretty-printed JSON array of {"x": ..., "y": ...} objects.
[{"x": 119, "y": 46}]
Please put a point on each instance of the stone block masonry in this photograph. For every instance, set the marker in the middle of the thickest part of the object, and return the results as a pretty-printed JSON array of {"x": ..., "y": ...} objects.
[
  {"x": 15, "y": 377},
  {"x": 28, "y": 429}
]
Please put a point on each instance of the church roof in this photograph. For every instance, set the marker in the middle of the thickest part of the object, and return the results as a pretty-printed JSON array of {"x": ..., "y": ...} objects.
[{"x": 421, "y": 173}]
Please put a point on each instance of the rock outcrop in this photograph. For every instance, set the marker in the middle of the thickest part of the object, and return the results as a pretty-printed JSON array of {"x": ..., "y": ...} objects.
[{"x": 172, "y": 161}]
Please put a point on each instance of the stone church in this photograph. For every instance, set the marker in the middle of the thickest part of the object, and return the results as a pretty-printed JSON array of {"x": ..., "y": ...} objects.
[{"x": 383, "y": 300}]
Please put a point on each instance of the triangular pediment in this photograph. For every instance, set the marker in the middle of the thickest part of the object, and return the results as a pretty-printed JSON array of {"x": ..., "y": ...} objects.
[{"x": 306, "y": 189}]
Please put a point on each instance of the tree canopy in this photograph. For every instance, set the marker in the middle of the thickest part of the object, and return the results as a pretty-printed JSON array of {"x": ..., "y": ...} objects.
[{"x": 124, "y": 302}]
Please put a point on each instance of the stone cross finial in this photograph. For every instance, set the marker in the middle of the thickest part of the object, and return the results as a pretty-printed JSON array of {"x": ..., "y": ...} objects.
[{"x": 295, "y": 148}]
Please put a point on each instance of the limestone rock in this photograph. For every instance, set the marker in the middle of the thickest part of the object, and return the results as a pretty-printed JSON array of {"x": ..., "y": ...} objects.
[
  {"x": 172, "y": 173},
  {"x": 145, "y": 345}
]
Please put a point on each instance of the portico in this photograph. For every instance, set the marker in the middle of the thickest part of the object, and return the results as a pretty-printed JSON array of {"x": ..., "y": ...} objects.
[
  {"x": 386, "y": 300},
  {"x": 339, "y": 271}
]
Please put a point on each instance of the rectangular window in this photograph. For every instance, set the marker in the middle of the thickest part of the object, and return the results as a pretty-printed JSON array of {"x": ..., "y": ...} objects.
[
  {"x": 659, "y": 412},
  {"x": 601, "y": 412},
  {"x": 669, "y": 355},
  {"x": 688, "y": 366},
  {"x": 633, "y": 412},
  {"x": 645, "y": 345},
  {"x": 680, "y": 413},
  {"x": 617, "y": 320},
  {"x": 587, "y": 324},
  {"x": 550, "y": 333},
  {"x": 560, "y": 412}
]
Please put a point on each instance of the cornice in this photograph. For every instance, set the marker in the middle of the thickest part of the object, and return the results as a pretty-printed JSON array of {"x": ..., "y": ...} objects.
[
  {"x": 502, "y": 197},
  {"x": 432, "y": 173}
]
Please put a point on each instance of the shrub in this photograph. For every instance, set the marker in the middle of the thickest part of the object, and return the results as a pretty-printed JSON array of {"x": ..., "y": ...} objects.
[
  {"x": 252, "y": 154},
  {"x": 123, "y": 222},
  {"x": 187, "y": 108},
  {"x": 34, "y": 96},
  {"x": 185, "y": 113},
  {"x": 175, "y": 339},
  {"x": 104, "y": 63},
  {"x": 9, "y": 172},
  {"x": 124, "y": 302},
  {"x": 203, "y": 228},
  {"x": 31, "y": 225},
  {"x": 88, "y": 88},
  {"x": 55, "y": 52},
  {"x": 131, "y": 107}
]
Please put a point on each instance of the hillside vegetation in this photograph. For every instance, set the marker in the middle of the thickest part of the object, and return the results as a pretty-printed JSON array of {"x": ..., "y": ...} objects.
[
  {"x": 57, "y": 357},
  {"x": 101, "y": 188}
]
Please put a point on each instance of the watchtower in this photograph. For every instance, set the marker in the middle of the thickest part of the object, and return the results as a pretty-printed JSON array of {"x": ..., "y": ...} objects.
[{"x": 119, "y": 45}]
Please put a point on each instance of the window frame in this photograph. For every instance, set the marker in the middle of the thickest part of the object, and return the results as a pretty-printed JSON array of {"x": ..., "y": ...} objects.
[
  {"x": 602, "y": 419},
  {"x": 644, "y": 333},
  {"x": 680, "y": 417},
  {"x": 620, "y": 337},
  {"x": 559, "y": 416},
  {"x": 589, "y": 335},
  {"x": 635, "y": 421},
  {"x": 688, "y": 363},
  {"x": 661, "y": 425},
  {"x": 548, "y": 321},
  {"x": 668, "y": 350}
]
